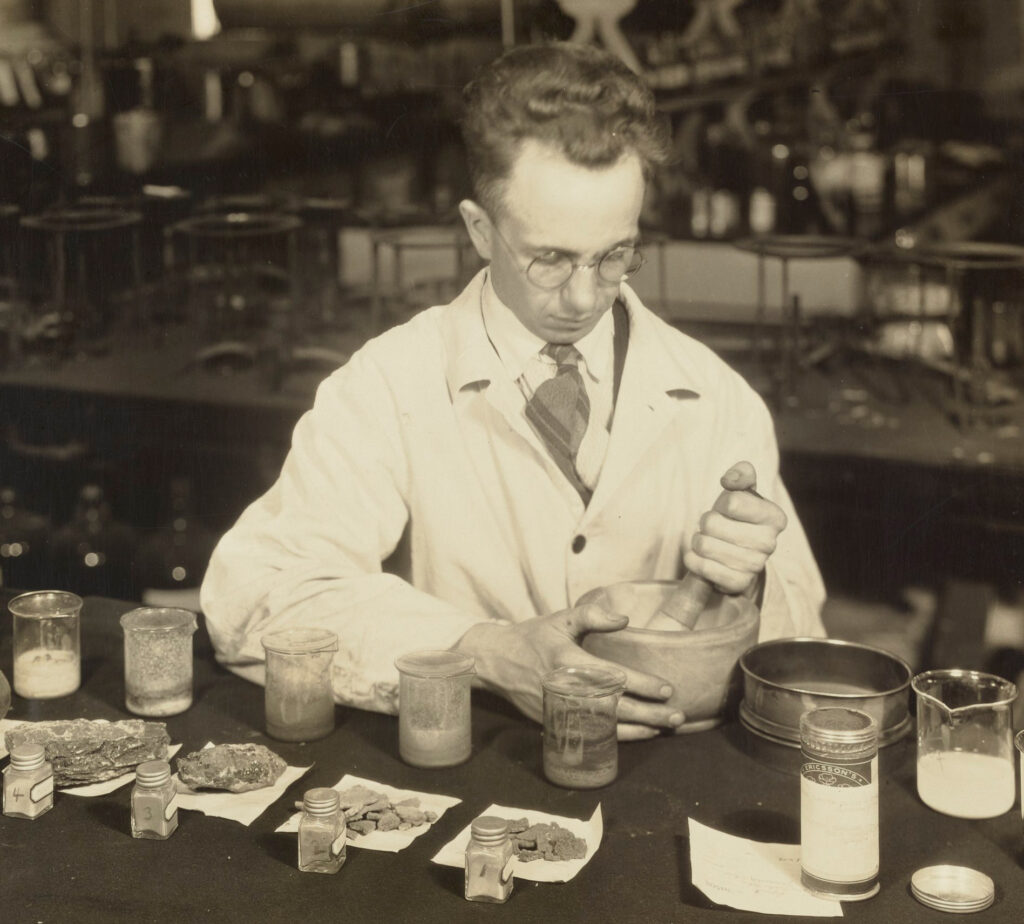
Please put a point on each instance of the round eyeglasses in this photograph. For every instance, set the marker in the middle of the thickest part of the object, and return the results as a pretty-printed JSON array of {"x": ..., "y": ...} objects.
[{"x": 554, "y": 269}]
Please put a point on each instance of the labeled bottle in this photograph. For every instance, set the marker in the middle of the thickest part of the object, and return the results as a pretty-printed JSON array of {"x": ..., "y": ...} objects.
[
  {"x": 28, "y": 782},
  {"x": 490, "y": 857},
  {"x": 322, "y": 833},
  {"x": 839, "y": 803},
  {"x": 154, "y": 801}
]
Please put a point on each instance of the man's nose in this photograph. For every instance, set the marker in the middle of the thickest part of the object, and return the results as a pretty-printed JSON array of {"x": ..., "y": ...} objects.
[{"x": 583, "y": 291}]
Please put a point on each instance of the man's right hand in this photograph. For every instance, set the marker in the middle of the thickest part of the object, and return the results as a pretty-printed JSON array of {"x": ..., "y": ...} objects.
[{"x": 512, "y": 659}]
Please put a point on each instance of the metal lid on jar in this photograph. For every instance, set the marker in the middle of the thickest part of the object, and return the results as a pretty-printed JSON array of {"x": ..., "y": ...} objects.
[
  {"x": 27, "y": 756},
  {"x": 958, "y": 889},
  {"x": 153, "y": 772},
  {"x": 321, "y": 801},
  {"x": 489, "y": 829},
  {"x": 838, "y": 726}
]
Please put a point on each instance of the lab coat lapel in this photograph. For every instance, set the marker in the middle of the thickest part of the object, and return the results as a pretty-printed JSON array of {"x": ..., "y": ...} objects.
[{"x": 653, "y": 391}]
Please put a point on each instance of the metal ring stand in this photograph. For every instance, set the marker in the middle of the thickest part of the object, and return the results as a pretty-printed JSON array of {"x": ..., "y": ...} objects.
[
  {"x": 785, "y": 248},
  {"x": 78, "y": 245},
  {"x": 970, "y": 374},
  {"x": 253, "y": 321}
]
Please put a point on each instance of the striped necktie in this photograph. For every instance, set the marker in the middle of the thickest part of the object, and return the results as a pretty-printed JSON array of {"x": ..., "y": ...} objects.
[{"x": 560, "y": 409}]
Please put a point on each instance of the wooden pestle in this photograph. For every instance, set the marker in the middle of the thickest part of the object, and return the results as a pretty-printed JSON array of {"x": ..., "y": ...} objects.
[{"x": 691, "y": 597}]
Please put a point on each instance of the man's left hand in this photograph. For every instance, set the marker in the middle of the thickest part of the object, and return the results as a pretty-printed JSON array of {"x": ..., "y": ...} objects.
[{"x": 737, "y": 535}]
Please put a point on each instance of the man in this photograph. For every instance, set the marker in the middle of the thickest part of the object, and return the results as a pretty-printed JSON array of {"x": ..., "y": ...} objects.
[{"x": 542, "y": 435}]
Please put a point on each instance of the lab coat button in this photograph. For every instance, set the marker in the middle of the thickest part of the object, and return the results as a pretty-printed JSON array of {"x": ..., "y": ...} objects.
[{"x": 579, "y": 543}]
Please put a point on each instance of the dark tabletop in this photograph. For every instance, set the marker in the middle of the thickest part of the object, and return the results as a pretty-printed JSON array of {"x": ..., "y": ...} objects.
[{"x": 79, "y": 862}]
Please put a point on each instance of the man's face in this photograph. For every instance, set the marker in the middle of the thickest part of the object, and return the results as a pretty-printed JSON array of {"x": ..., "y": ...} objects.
[{"x": 553, "y": 205}]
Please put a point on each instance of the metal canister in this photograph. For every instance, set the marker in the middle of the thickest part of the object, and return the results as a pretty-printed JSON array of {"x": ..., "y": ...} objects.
[{"x": 839, "y": 803}]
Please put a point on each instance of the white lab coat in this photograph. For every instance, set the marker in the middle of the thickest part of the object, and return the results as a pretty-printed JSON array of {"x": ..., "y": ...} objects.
[{"x": 420, "y": 433}]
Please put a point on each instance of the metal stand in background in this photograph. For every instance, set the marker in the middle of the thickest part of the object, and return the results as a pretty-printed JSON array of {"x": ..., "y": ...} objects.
[
  {"x": 81, "y": 273},
  {"x": 786, "y": 248},
  {"x": 954, "y": 309},
  {"x": 986, "y": 314},
  {"x": 323, "y": 219},
  {"x": 239, "y": 275},
  {"x": 10, "y": 305}
]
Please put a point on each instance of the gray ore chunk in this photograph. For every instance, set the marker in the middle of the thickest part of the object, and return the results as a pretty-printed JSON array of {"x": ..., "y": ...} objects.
[
  {"x": 231, "y": 767},
  {"x": 92, "y": 750}
]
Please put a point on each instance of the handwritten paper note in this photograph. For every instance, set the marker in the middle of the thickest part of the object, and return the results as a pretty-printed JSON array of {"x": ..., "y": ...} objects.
[{"x": 751, "y": 875}]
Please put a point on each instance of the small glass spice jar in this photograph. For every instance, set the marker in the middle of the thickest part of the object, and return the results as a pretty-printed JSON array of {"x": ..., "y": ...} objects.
[
  {"x": 47, "y": 644},
  {"x": 322, "y": 832},
  {"x": 299, "y": 698},
  {"x": 154, "y": 801},
  {"x": 158, "y": 660},
  {"x": 28, "y": 782},
  {"x": 839, "y": 803},
  {"x": 581, "y": 748},
  {"x": 434, "y": 715},
  {"x": 490, "y": 858}
]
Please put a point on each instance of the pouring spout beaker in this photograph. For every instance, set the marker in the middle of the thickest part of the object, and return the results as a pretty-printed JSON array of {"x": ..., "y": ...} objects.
[{"x": 965, "y": 764}]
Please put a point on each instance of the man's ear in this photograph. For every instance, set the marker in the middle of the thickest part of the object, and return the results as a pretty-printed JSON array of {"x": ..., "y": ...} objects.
[{"x": 478, "y": 225}]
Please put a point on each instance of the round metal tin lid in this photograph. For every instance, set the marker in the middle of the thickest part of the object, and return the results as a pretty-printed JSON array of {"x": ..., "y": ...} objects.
[{"x": 958, "y": 889}]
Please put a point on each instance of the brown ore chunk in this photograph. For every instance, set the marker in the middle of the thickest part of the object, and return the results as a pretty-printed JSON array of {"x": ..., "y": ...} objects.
[
  {"x": 91, "y": 750},
  {"x": 231, "y": 767},
  {"x": 548, "y": 841},
  {"x": 367, "y": 810}
]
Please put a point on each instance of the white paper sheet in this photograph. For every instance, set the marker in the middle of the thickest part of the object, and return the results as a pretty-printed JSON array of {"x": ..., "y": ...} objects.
[
  {"x": 390, "y": 841},
  {"x": 751, "y": 875},
  {"x": 591, "y": 830},
  {"x": 243, "y": 807}
]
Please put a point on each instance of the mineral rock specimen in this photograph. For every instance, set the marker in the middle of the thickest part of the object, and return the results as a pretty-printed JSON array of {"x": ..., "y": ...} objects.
[
  {"x": 367, "y": 810},
  {"x": 545, "y": 841},
  {"x": 231, "y": 767},
  {"x": 90, "y": 750}
]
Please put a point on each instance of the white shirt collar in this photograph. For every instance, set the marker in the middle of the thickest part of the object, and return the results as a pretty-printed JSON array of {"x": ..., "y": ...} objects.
[{"x": 516, "y": 346}]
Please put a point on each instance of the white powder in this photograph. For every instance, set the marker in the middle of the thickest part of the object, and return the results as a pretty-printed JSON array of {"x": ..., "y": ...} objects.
[{"x": 43, "y": 673}]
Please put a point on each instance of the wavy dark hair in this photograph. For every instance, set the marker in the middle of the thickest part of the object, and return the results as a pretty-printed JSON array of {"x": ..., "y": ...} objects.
[{"x": 579, "y": 99}]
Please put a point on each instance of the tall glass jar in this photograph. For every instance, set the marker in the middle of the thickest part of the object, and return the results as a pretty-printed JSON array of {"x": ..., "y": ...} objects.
[
  {"x": 581, "y": 749},
  {"x": 490, "y": 858},
  {"x": 839, "y": 803},
  {"x": 47, "y": 643},
  {"x": 434, "y": 716},
  {"x": 154, "y": 801},
  {"x": 299, "y": 698},
  {"x": 322, "y": 832},
  {"x": 158, "y": 660}
]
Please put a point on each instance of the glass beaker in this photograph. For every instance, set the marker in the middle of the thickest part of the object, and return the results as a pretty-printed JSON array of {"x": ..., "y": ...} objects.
[
  {"x": 434, "y": 717},
  {"x": 299, "y": 698},
  {"x": 965, "y": 759},
  {"x": 158, "y": 660},
  {"x": 581, "y": 750},
  {"x": 1019, "y": 742},
  {"x": 47, "y": 646}
]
